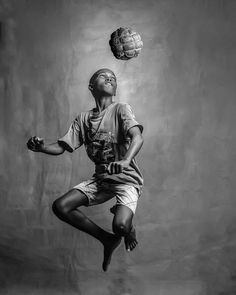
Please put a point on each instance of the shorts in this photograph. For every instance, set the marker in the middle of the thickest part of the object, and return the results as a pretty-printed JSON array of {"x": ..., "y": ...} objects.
[{"x": 98, "y": 192}]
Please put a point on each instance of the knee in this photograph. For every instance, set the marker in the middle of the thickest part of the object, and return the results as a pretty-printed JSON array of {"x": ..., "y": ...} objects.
[
  {"x": 59, "y": 209},
  {"x": 121, "y": 228}
]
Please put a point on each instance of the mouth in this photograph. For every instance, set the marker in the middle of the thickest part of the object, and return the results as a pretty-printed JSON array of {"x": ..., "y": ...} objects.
[{"x": 108, "y": 84}]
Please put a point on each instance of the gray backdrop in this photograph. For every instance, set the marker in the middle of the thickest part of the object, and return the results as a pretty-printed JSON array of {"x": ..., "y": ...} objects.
[{"x": 182, "y": 89}]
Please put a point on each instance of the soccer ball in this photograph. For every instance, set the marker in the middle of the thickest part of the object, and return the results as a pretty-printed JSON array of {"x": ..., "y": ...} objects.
[{"x": 125, "y": 43}]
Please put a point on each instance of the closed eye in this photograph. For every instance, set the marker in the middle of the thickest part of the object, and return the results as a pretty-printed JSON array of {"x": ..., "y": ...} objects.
[{"x": 105, "y": 76}]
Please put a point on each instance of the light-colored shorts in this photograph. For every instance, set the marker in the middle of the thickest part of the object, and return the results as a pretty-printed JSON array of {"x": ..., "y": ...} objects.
[{"x": 98, "y": 192}]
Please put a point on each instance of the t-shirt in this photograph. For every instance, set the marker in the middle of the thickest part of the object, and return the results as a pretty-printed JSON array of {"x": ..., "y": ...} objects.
[{"x": 105, "y": 137}]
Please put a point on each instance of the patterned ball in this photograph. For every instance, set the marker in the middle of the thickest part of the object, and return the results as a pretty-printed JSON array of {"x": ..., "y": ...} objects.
[{"x": 125, "y": 43}]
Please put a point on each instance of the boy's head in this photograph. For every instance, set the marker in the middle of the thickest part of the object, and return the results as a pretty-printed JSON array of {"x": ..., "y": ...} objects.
[{"x": 103, "y": 82}]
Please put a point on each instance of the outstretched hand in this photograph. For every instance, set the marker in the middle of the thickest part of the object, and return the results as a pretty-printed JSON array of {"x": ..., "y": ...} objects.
[
  {"x": 35, "y": 144},
  {"x": 117, "y": 167}
]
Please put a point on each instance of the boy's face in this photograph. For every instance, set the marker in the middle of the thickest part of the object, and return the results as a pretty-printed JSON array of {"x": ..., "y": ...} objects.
[{"x": 104, "y": 83}]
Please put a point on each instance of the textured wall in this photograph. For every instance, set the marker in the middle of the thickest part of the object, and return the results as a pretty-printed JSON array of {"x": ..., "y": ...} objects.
[{"x": 182, "y": 88}]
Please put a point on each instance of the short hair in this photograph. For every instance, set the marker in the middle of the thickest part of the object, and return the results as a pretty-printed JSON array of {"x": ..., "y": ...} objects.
[{"x": 95, "y": 75}]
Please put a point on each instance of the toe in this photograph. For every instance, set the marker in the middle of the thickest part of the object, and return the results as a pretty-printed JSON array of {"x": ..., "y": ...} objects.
[{"x": 134, "y": 244}]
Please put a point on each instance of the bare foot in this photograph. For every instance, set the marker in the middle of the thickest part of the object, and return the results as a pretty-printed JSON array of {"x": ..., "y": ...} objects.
[
  {"x": 109, "y": 246},
  {"x": 131, "y": 239}
]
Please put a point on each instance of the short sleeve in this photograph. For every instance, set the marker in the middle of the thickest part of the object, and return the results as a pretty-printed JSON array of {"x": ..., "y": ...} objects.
[
  {"x": 127, "y": 118},
  {"x": 73, "y": 138}
]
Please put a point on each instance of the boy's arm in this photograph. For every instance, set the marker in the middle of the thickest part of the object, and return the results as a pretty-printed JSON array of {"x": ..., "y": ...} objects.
[
  {"x": 37, "y": 144},
  {"x": 136, "y": 143},
  {"x": 53, "y": 149}
]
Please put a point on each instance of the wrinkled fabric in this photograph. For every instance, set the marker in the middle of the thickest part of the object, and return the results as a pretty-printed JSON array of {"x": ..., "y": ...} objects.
[{"x": 105, "y": 137}]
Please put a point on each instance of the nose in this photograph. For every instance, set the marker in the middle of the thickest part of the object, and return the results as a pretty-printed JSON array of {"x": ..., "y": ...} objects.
[{"x": 108, "y": 79}]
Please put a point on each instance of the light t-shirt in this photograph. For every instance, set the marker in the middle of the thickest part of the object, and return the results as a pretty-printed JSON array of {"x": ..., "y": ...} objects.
[{"x": 105, "y": 137}]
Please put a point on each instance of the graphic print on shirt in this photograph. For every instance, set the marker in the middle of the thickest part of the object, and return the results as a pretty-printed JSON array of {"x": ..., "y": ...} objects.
[
  {"x": 102, "y": 148},
  {"x": 105, "y": 139}
]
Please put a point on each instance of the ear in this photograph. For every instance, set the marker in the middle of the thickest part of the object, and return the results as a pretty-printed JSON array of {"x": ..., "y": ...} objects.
[{"x": 90, "y": 87}]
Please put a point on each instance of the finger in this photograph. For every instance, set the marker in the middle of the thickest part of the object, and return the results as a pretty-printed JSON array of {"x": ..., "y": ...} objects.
[
  {"x": 113, "y": 168},
  {"x": 30, "y": 144},
  {"x": 34, "y": 140},
  {"x": 31, "y": 147},
  {"x": 116, "y": 168},
  {"x": 38, "y": 141},
  {"x": 109, "y": 168},
  {"x": 30, "y": 140}
]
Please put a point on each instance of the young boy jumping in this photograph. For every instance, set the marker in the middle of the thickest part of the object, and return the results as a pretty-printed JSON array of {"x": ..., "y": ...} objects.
[{"x": 112, "y": 138}]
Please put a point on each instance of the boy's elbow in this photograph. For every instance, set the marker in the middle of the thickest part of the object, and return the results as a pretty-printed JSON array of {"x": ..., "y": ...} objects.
[
  {"x": 63, "y": 146},
  {"x": 62, "y": 150}
]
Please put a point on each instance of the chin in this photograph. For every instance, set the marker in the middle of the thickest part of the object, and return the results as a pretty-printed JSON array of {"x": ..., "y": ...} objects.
[{"x": 108, "y": 92}]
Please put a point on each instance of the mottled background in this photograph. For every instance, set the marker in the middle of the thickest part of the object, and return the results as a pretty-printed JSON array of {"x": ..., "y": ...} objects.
[{"x": 182, "y": 89}]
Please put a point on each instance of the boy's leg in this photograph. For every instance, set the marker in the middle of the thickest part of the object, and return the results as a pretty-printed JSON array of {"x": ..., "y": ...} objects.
[
  {"x": 122, "y": 225},
  {"x": 66, "y": 208}
]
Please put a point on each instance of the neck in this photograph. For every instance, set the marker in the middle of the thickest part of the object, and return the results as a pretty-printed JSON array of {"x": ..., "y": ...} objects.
[{"x": 103, "y": 102}]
